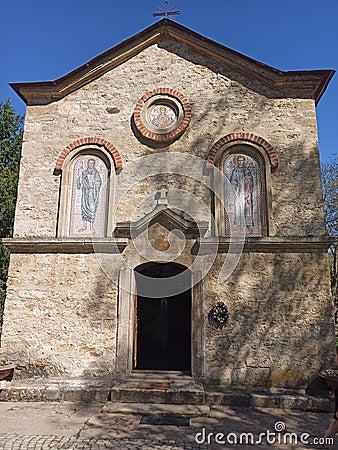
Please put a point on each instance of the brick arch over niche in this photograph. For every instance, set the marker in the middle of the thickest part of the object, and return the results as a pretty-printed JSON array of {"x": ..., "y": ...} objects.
[
  {"x": 88, "y": 141},
  {"x": 245, "y": 137}
]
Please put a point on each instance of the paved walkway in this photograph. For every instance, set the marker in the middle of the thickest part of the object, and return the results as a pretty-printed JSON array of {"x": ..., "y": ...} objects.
[
  {"x": 42, "y": 426},
  {"x": 54, "y": 442}
]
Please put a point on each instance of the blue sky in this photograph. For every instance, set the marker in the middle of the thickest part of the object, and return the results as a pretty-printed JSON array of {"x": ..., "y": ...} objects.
[{"x": 42, "y": 40}]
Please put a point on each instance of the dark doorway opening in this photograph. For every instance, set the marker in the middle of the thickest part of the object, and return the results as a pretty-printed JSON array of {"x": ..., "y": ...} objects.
[{"x": 163, "y": 323}]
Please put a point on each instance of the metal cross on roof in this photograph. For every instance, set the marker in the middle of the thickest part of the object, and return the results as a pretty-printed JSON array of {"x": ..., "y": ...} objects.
[{"x": 166, "y": 12}]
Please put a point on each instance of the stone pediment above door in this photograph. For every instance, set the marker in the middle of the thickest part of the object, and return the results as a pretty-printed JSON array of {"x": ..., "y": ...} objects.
[{"x": 171, "y": 219}]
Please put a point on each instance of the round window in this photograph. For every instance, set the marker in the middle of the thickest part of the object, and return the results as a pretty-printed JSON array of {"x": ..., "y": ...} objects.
[{"x": 162, "y": 115}]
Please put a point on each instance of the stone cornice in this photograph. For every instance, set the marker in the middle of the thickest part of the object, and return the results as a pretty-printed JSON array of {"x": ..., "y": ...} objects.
[
  {"x": 65, "y": 245},
  {"x": 203, "y": 245},
  {"x": 309, "y": 83},
  {"x": 263, "y": 245}
]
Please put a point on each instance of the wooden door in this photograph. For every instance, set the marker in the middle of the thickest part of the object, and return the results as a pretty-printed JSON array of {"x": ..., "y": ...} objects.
[
  {"x": 126, "y": 320},
  {"x": 135, "y": 330}
]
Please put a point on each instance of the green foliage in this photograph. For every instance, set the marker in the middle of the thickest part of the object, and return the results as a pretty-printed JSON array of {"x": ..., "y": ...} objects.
[
  {"x": 4, "y": 260},
  {"x": 330, "y": 195},
  {"x": 11, "y": 130}
]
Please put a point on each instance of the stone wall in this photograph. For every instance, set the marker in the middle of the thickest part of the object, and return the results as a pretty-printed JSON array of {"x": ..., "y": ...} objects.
[
  {"x": 279, "y": 333},
  {"x": 61, "y": 309},
  {"x": 274, "y": 336},
  {"x": 58, "y": 322},
  {"x": 219, "y": 105}
]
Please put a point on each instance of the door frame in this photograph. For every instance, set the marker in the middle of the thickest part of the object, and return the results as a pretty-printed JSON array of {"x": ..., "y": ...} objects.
[{"x": 126, "y": 308}]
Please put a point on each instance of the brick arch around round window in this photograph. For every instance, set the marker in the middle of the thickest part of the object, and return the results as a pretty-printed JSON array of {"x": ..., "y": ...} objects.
[
  {"x": 246, "y": 138},
  {"x": 85, "y": 142}
]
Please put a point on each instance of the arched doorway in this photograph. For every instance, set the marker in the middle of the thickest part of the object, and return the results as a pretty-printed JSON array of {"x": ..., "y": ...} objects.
[{"x": 162, "y": 331}]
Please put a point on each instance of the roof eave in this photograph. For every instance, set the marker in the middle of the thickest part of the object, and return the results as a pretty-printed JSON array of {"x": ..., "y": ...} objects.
[{"x": 327, "y": 75}]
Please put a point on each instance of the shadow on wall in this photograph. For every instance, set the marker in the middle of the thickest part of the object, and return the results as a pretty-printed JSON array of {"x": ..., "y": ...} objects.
[{"x": 277, "y": 335}]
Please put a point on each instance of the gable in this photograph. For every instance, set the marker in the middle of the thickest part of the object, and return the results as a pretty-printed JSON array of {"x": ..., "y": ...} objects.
[{"x": 167, "y": 34}]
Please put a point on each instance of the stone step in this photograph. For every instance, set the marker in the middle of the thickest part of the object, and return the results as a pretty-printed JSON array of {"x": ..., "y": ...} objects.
[
  {"x": 158, "y": 391},
  {"x": 288, "y": 400},
  {"x": 49, "y": 390},
  {"x": 160, "y": 375},
  {"x": 179, "y": 393},
  {"x": 156, "y": 408}
]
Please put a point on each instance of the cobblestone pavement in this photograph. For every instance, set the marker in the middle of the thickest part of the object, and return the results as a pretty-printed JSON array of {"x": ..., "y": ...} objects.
[{"x": 15, "y": 442}]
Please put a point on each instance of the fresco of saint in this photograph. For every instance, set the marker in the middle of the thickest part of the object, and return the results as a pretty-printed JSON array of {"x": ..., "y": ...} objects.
[
  {"x": 90, "y": 183},
  {"x": 88, "y": 196},
  {"x": 242, "y": 182},
  {"x": 243, "y": 195},
  {"x": 162, "y": 116}
]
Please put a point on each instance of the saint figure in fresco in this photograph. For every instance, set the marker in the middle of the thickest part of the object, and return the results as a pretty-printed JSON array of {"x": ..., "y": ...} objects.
[
  {"x": 90, "y": 183},
  {"x": 242, "y": 183},
  {"x": 162, "y": 116}
]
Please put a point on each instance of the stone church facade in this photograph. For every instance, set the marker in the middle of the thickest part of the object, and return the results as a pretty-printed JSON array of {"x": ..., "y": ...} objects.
[{"x": 163, "y": 176}]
